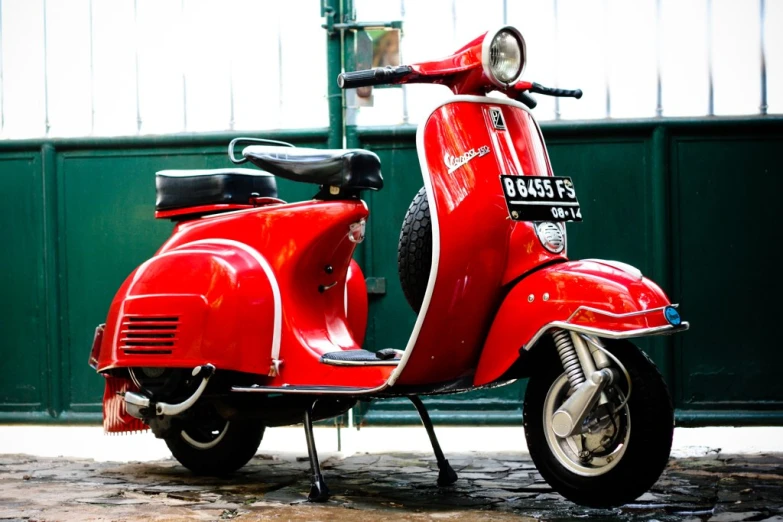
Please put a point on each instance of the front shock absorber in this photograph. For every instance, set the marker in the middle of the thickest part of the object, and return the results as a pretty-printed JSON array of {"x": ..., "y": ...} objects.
[{"x": 567, "y": 352}]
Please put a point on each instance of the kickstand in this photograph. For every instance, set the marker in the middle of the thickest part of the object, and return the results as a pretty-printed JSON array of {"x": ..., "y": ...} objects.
[
  {"x": 447, "y": 475},
  {"x": 318, "y": 490}
]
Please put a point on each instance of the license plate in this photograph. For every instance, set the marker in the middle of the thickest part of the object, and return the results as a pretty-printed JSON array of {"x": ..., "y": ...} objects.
[{"x": 541, "y": 198}]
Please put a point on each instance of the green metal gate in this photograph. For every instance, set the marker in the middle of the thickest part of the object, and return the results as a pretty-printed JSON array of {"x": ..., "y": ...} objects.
[
  {"x": 684, "y": 207},
  {"x": 692, "y": 204}
]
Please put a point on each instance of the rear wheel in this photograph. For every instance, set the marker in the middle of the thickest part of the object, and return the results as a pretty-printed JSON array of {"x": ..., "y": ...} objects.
[
  {"x": 626, "y": 447},
  {"x": 215, "y": 446}
]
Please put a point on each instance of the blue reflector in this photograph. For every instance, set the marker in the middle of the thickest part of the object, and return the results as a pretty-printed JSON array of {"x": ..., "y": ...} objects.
[{"x": 672, "y": 315}]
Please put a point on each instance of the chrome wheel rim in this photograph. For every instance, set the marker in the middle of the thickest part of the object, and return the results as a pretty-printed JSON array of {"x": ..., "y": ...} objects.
[
  {"x": 205, "y": 438},
  {"x": 567, "y": 451}
]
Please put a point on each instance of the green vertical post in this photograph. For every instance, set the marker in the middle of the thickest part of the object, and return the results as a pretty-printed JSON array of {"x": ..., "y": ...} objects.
[
  {"x": 661, "y": 239},
  {"x": 333, "y": 11},
  {"x": 51, "y": 281}
]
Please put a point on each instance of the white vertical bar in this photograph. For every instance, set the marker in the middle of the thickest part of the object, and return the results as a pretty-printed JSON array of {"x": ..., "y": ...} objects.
[
  {"x": 136, "y": 62},
  {"x": 230, "y": 53},
  {"x": 454, "y": 20},
  {"x": 46, "y": 71},
  {"x": 92, "y": 74},
  {"x": 607, "y": 60},
  {"x": 557, "y": 52},
  {"x": 762, "y": 15},
  {"x": 405, "y": 113},
  {"x": 710, "y": 77},
  {"x": 2, "y": 84},
  {"x": 658, "y": 53},
  {"x": 280, "y": 86},
  {"x": 505, "y": 12},
  {"x": 184, "y": 69},
  {"x": 231, "y": 118}
]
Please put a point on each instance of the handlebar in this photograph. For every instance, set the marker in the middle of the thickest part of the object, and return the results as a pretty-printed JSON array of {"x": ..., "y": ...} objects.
[
  {"x": 377, "y": 76},
  {"x": 549, "y": 91}
]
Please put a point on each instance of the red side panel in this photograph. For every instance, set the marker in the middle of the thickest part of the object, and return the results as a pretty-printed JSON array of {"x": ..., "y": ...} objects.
[
  {"x": 479, "y": 247},
  {"x": 189, "y": 306},
  {"x": 356, "y": 302},
  {"x": 115, "y": 418},
  {"x": 257, "y": 291}
]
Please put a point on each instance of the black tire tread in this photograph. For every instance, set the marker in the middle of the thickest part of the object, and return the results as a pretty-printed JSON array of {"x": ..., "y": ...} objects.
[
  {"x": 652, "y": 429},
  {"x": 235, "y": 450},
  {"x": 414, "y": 252}
]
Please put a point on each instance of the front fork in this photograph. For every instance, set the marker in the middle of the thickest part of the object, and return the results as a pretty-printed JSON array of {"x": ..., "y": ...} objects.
[{"x": 587, "y": 366}]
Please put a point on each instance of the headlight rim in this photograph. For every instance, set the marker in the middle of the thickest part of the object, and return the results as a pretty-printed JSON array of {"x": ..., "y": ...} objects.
[{"x": 485, "y": 53}]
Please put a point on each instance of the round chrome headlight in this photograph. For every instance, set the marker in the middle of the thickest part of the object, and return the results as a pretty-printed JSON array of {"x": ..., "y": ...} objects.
[{"x": 503, "y": 54}]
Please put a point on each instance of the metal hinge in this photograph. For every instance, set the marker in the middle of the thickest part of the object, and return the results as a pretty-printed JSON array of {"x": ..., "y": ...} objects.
[{"x": 376, "y": 285}]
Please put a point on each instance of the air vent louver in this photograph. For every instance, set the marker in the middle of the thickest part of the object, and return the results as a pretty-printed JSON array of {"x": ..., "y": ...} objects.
[{"x": 149, "y": 335}]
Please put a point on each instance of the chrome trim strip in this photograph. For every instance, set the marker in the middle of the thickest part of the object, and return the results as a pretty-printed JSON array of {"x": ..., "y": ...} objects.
[
  {"x": 547, "y": 203},
  {"x": 305, "y": 390},
  {"x": 608, "y": 334},
  {"x": 379, "y": 362},
  {"x": 616, "y": 316}
]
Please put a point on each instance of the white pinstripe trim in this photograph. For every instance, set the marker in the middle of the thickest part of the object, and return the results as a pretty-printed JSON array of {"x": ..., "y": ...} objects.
[
  {"x": 425, "y": 171},
  {"x": 184, "y": 249},
  {"x": 270, "y": 275}
]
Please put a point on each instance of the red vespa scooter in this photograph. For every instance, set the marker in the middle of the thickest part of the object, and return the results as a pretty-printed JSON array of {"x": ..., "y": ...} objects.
[{"x": 252, "y": 314}]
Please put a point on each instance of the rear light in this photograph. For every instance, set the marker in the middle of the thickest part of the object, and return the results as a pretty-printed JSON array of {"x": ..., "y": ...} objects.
[{"x": 95, "y": 352}]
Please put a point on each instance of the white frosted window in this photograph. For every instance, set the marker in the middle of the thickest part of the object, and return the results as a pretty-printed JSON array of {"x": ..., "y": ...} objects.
[
  {"x": 736, "y": 56},
  {"x": 68, "y": 67},
  {"x": 684, "y": 58},
  {"x": 773, "y": 21},
  {"x": 114, "y": 67},
  {"x": 89, "y": 67},
  {"x": 630, "y": 54},
  {"x": 24, "y": 98}
]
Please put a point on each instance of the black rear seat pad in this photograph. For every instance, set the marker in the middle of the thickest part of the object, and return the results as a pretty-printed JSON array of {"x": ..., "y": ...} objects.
[{"x": 178, "y": 189}]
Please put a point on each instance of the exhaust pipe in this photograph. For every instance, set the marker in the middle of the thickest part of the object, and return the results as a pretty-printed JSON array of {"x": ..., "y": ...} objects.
[{"x": 142, "y": 407}]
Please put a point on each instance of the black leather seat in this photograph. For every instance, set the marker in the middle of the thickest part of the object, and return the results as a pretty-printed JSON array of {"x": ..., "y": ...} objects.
[
  {"x": 192, "y": 188},
  {"x": 349, "y": 169}
]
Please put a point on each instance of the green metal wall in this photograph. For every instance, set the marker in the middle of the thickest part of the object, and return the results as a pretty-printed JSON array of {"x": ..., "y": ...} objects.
[
  {"x": 690, "y": 203},
  {"x": 77, "y": 217}
]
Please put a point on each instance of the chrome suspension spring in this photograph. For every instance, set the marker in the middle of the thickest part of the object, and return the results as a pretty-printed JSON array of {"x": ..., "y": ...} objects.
[{"x": 567, "y": 353}]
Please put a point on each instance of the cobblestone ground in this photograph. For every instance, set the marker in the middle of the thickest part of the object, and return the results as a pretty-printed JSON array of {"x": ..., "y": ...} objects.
[{"x": 720, "y": 488}]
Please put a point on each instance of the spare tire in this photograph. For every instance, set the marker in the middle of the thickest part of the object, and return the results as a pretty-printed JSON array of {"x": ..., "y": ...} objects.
[{"x": 414, "y": 253}]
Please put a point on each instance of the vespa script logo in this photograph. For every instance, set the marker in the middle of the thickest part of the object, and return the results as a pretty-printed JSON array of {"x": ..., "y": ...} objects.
[{"x": 453, "y": 163}]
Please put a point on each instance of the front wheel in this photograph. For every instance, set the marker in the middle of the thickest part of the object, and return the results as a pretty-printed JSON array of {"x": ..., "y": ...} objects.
[
  {"x": 215, "y": 446},
  {"x": 623, "y": 449}
]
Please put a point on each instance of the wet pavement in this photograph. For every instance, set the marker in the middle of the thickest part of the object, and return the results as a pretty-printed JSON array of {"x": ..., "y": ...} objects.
[{"x": 499, "y": 486}]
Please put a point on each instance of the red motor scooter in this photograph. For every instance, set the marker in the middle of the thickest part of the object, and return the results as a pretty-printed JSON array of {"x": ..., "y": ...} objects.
[{"x": 253, "y": 313}]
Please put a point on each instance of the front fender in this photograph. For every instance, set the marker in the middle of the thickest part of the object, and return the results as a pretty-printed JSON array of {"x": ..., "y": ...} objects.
[{"x": 597, "y": 297}]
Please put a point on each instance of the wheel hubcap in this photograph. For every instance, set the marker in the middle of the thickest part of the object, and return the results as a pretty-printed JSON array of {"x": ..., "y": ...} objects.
[
  {"x": 205, "y": 437},
  {"x": 601, "y": 445}
]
